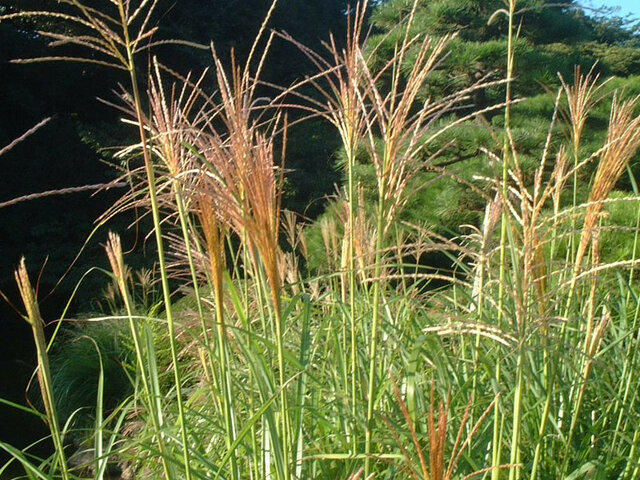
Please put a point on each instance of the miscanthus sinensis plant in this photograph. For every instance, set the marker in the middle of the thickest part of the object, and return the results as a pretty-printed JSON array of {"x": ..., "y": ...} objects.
[{"x": 522, "y": 362}]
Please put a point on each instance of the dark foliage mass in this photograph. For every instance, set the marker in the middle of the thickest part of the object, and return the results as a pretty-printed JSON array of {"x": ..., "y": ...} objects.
[{"x": 67, "y": 152}]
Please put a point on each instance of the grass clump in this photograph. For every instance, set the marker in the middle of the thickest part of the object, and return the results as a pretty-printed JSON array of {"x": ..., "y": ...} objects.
[{"x": 528, "y": 332}]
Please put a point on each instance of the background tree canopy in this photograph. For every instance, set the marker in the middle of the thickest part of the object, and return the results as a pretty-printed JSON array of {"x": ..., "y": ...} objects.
[{"x": 552, "y": 40}]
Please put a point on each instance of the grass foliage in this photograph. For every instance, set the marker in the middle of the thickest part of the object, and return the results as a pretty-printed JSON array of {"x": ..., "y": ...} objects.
[{"x": 341, "y": 349}]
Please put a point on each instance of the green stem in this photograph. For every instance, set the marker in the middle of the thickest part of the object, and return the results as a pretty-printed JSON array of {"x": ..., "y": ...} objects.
[
  {"x": 374, "y": 325},
  {"x": 628, "y": 372},
  {"x": 496, "y": 443},
  {"x": 283, "y": 394},
  {"x": 548, "y": 383},
  {"x": 155, "y": 406},
  {"x": 352, "y": 293},
  {"x": 633, "y": 458},
  {"x": 219, "y": 309},
  {"x": 155, "y": 213},
  {"x": 514, "y": 459}
]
